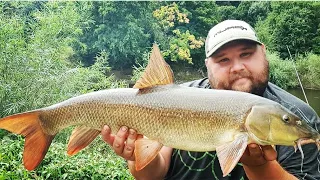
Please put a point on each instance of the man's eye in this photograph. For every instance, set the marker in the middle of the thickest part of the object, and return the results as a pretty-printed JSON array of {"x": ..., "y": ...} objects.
[
  {"x": 223, "y": 60},
  {"x": 245, "y": 54}
]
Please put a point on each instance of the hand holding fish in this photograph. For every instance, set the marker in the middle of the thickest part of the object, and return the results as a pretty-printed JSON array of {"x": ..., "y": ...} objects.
[
  {"x": 123, "y": 142},
  {"x": 256, "y": 155},
  {"x": 261, "y": 161}
]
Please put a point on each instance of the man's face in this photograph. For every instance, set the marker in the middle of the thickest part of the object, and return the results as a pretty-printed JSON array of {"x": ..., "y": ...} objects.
[{"x": 240, "y": 66}]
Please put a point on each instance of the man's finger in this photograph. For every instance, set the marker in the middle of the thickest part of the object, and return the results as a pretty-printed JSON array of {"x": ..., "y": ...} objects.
[
  {"x": 254, "y": 150},
  {"x": 120, "y": 139},
  {"x": 106, "y": 135},
  {"x": 129, "y": 146},
  {"x": 269, "y": 153}
]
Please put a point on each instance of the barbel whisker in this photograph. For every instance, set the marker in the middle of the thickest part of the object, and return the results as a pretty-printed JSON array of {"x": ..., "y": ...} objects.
[{"x": 301, "y": 151}]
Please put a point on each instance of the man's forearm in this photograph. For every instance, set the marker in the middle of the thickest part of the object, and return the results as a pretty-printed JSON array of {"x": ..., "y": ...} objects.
[{"x": 270, "y": 170}]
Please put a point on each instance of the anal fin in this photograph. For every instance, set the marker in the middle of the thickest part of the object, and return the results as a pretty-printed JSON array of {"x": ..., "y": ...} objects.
[
  {"x": 230, "y": 153},
  {"x": 145, "y": 151},
  {"x": 80, "y": 138}
]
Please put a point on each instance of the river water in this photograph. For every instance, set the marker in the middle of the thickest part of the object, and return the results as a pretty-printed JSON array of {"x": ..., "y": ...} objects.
[{"x": 313, "y": 97}]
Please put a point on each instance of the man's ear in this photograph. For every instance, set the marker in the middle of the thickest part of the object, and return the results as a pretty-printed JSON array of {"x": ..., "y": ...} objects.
[
  {"x": 206, "y": 61},
  {"x": 263, "y": 48}
]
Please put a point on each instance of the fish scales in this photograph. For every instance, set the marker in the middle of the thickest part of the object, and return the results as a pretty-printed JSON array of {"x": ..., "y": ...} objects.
[{"x": 163, "y": 114}]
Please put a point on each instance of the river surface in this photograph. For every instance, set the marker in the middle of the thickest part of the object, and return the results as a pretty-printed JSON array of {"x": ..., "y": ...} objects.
[{"x": 313, "y": 97}]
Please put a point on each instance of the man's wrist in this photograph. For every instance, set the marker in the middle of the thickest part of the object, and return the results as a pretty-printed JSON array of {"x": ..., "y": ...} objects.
[{"x": 269, "y": 170}]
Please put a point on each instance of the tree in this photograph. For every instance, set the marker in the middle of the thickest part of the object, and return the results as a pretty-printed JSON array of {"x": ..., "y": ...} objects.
[
  {"x": 203, "y": 16},
  {"x": 251, "y": 12},
  {"x": 180, "y": 39},
  {"x": 125, "y": 33},
  {"x": 292, "y": 24}
]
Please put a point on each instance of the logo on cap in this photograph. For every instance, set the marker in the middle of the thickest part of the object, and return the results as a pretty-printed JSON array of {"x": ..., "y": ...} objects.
[{"x": 231, "y": 27}]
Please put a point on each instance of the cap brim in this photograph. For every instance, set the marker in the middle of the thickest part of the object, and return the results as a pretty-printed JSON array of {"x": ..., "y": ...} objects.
[{"x": 227, "y": 41}]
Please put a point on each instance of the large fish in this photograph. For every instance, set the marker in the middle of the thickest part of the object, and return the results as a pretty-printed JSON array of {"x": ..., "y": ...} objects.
[{"x": 185, "y": 118}]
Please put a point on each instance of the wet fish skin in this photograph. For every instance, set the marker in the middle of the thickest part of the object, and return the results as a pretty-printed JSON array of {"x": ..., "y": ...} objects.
[{"x": 210, "y": 119}]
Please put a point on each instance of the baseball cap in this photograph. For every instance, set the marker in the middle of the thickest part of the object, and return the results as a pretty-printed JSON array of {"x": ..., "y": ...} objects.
[{"x": 226, "y": 31}]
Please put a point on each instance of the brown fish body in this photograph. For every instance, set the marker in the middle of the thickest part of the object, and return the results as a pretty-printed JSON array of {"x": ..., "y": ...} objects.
[
  {"x": 168, "y": 114},
  {"x": 186, "y": 118}
]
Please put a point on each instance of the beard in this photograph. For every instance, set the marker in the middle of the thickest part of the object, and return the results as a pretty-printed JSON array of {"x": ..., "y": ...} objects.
[{"x": 254, "y": 83}]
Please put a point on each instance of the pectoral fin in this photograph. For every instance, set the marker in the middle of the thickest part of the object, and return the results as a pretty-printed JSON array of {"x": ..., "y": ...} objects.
[
  {"x": 230, "y": 153},
  {"x": 145, "y": 151},
  {"x": 81, "y": 137}
]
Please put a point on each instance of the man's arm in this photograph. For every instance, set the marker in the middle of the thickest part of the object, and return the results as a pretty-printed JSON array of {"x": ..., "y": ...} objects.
[
  {"x": 123, "y": 145},
  {"x": 259, "y": 162}
]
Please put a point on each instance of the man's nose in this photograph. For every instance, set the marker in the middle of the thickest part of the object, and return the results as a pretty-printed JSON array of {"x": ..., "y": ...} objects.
[{"x": 237, "y": 66}]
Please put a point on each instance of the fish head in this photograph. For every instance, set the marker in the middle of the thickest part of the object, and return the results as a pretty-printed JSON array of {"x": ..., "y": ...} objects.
[{"x": 273, "y": 124}]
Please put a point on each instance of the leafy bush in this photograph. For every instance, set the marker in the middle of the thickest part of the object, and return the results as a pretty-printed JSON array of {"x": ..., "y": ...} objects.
[
  {"x": 282, "y": 72},
  {"x": 36, "y": 71},
  {"x": 35, "y": 67},
  {"x": 97, "y": 161},
  {"x": 309, "y": 69}
]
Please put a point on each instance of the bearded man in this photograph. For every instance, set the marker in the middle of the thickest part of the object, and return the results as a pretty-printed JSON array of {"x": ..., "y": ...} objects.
[{"x": 235, "y": 60}]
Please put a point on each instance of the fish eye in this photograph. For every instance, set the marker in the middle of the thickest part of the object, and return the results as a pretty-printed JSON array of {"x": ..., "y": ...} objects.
[{"x": 285, "y": 118}]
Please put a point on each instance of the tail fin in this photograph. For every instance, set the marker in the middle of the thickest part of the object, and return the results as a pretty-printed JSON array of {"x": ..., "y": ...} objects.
[{"x": 37, "y": 142}]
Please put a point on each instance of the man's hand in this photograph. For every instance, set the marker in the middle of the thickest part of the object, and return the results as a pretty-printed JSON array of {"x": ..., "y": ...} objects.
[
  {"x": 123, "y": 142},
  {"x": 256, "y": 155},
  {"x": 259, "y": 162},
  {"x": 123, "y": 145}
]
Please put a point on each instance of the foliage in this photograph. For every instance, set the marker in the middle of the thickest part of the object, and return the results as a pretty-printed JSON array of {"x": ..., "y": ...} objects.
[
  {"x": 123, "y": 32},
  {"x": 140, "y": 67},
  {"x": 292, "y": 24},
  {"x": 309, "y": 70},
  {"x": 282, "y": 72},
  {"x": 180, "y": 46},
  {"x": 180, "y": 41},
  {"x": 36, "y": 71},
  {"x": 226, "y": 12},
  {"x": 252, "y": 12},
  {"x": 169, "y": 15},
  {"x": 94, "y": 162}
]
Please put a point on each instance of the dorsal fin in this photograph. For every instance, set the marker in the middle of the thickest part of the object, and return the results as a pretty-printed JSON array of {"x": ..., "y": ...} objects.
[{"x": 157, "y": 72}]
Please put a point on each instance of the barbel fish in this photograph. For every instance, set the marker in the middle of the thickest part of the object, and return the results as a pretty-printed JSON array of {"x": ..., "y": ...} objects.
[{"x": 187, "y": 118}]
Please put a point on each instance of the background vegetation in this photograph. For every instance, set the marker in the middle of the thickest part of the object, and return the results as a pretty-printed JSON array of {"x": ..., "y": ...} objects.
[{"x": 51, "y": 51}]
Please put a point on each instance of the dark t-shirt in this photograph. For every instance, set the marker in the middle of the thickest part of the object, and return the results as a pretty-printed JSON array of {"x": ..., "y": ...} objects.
[{"x": 205, "y": 165}]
